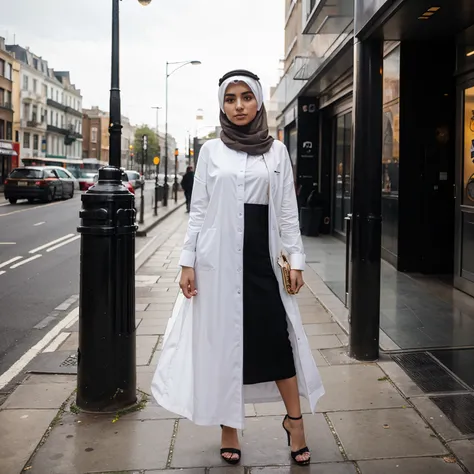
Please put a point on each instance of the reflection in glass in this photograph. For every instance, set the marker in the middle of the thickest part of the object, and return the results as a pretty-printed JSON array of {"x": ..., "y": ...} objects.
[{"x": 468, "y": 195}]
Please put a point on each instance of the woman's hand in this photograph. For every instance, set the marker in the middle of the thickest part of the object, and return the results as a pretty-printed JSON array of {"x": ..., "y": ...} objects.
[
  {"x": 296, "y": 279},
  {"x": 187, "y": 282}
]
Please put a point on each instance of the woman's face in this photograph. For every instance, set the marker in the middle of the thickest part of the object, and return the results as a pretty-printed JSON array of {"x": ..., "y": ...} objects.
[{"x": 240, "y": 105}]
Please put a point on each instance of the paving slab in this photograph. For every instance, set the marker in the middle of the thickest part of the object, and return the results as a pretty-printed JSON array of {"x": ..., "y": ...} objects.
[
  {"x": 409, "y": 466},
  {"x": 365, "y": 387},
  {"x": 339, "y": 356},
  {"x": 264, "y": 442},
  {"x": 323, "y": 468},
  {"x": 319, "y": 359},
  {"x": 33, "y": 379},
  {"x": 145, "y": 347},
  {"x": 20, "y": 432},
  {"x": 98, "y": 445},
  {"x": 184, "y": 471},
  {"x": 385, "y": 434},
  {"x": 464, "y": 450},
  {"x": 151, "y": 412},
  {"x": 42, "y": 396},
  {"x": 322, "y": 329},
  {"x": 151, "y": 329},
  {"x": 324, "y": 342},
  {"x": 318, "y": 317}
]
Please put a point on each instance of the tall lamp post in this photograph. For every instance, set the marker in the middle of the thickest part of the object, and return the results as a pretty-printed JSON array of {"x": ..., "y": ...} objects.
[
  {"x": 106, "y": 370},
  {"x": 159, "y": 153},
  {"x": 176, "y": 153},
  {"x": 180, "y": 64}
]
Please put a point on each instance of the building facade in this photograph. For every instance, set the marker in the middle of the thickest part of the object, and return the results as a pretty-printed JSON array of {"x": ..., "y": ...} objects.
[
  {"x": 377, "y": 111},
  {"x": 49, "y": 124},
  {"x": 8, "y": 156}
]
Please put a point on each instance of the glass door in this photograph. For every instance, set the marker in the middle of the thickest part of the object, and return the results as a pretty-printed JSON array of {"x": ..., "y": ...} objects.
[
  {"x": 342, "y": 171},
  {"x": 464, "y": 258}
]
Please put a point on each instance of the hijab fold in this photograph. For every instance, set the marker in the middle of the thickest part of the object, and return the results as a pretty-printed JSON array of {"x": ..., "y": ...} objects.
[{"x": 253, "y": 138}]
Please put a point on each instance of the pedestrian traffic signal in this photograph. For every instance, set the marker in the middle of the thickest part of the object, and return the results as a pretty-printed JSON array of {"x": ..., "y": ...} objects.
[
  {"x": 156, "y": 160},
  {"x": 176, "y": 152}
]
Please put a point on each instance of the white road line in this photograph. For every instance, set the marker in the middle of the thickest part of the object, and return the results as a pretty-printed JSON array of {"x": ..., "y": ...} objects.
[
  {"x": 51, "y": 243},
  {"x": 7, "y": 243},
  {"x": 5, "y": 204},
  {"x": 19, "y": 264},
  {"x": 38, "y": 223},
  {"x": 5, "y": 264},
  {"x": 21, "y": 363},
  {"x": 63, "y": 243},
  {"x": 2, "y": 272},
  {"x": 60, "y": 338},
  {"x": 32, "y": 208}
]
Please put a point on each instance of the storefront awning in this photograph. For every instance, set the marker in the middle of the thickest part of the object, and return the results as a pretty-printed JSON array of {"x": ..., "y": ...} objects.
[{"x": 6, "y": 148}]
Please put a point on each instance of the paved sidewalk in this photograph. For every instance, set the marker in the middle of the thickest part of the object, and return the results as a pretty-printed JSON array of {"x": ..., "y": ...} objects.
[{"x": 372, "y": 420}]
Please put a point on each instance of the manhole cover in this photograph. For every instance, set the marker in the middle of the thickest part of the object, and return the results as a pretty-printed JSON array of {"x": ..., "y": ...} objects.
[
  {"x": 70, "y": 361},
  {"x": 427, "y": 373}
]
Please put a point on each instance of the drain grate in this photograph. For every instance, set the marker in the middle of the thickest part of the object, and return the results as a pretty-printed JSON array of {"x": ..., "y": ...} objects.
[
  {"x": 459, "y": 409},
  {"x": 427, "y": 373},
  {"x": 70, "y": 361}
]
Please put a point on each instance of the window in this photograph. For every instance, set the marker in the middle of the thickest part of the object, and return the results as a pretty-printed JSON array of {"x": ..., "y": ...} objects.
[
  {"x": 26, "y": 173},
  {"x": 2, "y": 67},
  {"x": 34, "y": 116},
  {"x": 51, "y": 118},
  {"x": 2, "y": 96},
  {"x": 35, "y": 142},
  {"x": 57, "y": 119},
  {"x": 9, "y": 131},
  {"x": 62, "y": 121},
  {"x": 26, "y": 111},
  {"x": 8, "y": 99},
  {"x": 25, "y": 83},
  {"x": 57, "y": 96},
  {"x": 8, "y": 71},
  {"x": 26, "y": 140},
  {"x": 35, "y": 85},
  {"x": 94, "y": 135},
  {"x": 62, "y": 174},
  {"x": 2, "y": 129},
  {"x": 45, "y": 90},
  {"x": 52, "y": 93}
]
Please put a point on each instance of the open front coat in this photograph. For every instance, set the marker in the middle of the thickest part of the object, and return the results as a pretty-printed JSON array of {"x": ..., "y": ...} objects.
[{"x": 200, "y": 370}]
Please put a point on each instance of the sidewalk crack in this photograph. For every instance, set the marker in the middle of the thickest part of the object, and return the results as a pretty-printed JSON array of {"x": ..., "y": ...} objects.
[{"x": 173, "y": 441}]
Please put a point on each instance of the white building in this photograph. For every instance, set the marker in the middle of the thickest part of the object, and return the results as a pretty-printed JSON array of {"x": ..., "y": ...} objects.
[
  {"x": 128, "y": 139},
  {"x": 50, "y": 115}
]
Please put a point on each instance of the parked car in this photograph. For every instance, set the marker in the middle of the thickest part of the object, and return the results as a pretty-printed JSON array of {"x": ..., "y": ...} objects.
[
  {"x": 135, "y": 179},
  {"x": 86, "y": 179},
  {"x": 125, "y": 181},
  {"x": 46, "y": 183}
]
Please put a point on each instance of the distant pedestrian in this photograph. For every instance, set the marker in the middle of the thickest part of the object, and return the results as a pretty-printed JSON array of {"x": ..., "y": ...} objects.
[
  {"x": 238, "y": 337},
  {"x": 187, "y": 185}
]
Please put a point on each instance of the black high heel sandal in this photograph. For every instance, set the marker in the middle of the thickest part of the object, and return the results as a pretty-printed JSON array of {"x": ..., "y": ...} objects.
[
  {"x": 230, "y": 451},
  {"x": 294, "y": 454}
]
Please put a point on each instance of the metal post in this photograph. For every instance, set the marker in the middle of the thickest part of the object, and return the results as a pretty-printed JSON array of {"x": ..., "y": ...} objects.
[
  {"x": 165, "y": 195},
  {"x": 106, "y": 372},
  {"x": 366, "y": 201},
  {"x": 158, "y": 165},
  {"x": 175, "y": 178},
  {"x": 142, "y": 197}
]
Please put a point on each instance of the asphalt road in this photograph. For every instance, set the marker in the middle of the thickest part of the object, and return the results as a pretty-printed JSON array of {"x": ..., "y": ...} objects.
[{"x": 39, "y": 269}]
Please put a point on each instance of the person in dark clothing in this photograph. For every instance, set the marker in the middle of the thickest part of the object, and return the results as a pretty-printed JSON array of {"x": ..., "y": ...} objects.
[{"x": 187, "y": 185}]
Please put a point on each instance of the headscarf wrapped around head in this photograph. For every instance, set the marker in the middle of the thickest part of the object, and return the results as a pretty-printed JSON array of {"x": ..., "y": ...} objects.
[{"x": 252, "y": 138}]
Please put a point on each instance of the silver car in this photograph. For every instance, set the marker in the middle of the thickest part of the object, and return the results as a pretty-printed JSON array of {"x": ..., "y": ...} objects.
[{"x": 134, "y": 178}]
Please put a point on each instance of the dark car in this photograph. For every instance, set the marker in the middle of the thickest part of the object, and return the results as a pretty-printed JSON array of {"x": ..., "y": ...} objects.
[{"x": 46, "y": 183}]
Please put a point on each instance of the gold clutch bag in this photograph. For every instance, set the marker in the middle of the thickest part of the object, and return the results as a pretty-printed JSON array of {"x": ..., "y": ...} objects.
[{"x": 285, "y": 273}]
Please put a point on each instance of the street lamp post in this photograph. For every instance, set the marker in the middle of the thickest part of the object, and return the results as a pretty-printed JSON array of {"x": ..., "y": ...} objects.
[
  {"x": 144, "y": 158},
  {"x": 158, "y": 165},
  {"x": 106, "y": 369},
  {"x": 180, "y": 64}
]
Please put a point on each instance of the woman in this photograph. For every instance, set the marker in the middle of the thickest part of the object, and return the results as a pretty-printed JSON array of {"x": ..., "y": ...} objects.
[{"x": 238, "y": 337}]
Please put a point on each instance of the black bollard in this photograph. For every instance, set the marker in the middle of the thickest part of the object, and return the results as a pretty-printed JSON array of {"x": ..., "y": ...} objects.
[{"x": 106, "y": 375}]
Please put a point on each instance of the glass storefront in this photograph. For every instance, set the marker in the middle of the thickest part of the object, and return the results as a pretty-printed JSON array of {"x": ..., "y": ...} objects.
[{"x": 342, "y": 170}]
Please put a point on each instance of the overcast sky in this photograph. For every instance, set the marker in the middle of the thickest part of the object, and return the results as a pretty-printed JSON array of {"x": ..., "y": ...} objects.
[{"x": 74, "y": 35}]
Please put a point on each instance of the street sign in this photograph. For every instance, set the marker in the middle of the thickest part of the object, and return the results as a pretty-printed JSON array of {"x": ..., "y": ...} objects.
[{"x": 156, "y": 160}]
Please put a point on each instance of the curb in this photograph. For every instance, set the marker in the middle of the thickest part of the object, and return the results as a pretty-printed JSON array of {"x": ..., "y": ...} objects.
[{"x": 144, "y": 232}]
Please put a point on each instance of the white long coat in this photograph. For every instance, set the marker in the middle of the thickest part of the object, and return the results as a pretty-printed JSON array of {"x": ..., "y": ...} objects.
[{"x": 200, "y": 371}]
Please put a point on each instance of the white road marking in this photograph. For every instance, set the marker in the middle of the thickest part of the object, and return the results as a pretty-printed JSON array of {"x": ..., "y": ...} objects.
[
  {"x": 42, "y": 206},
  {"x": 4, "y": 264},
  {"x": 63, "y": 243},
  {"x": 39, "y": 223},
  {"x": 7, "y": 243},
  {"x": 2, "y": 272},
  {"x": 60, "y": 338},
  {"x": 5, "y": 204},
  {"x": 19, "y": 264},
  {"x": 21, "y": 363},
  {"x": 51, "y": 243}
]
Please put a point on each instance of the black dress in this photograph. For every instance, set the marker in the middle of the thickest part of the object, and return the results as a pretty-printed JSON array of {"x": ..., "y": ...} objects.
[{"x": 268, "y": 354}]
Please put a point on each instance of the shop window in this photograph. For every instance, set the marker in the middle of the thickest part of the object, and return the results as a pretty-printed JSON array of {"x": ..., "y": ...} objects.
[
  {"x": 468, "y": 194},
  {"x": 391, "y": 123}
]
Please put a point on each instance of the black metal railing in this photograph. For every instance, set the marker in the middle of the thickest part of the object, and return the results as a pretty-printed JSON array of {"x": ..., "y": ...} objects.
[{"x": 6, "y": 105}]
